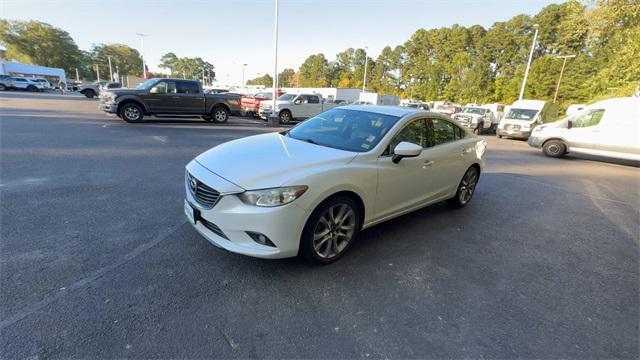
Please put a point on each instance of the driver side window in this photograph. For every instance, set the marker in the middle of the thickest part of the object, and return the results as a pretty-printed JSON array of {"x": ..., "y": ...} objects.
[
  {"x": 164, "y": 87},
  {"x": 587, "y": 119},
  {"x": 415, "y": 132}
]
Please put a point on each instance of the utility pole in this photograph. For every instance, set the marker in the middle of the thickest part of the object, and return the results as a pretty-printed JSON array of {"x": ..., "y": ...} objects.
[
  {"x": 564, "y": 62},
  {"x": 98, "y": 72},
  {"x": 144, "y": 65},
  {"x": 243, "y": 83},
  {"x": 110, "y": 69},
  {"x": 364, "y": 81},
  {"x": 273, "y": 118},
  {"x": 526, "y": 72},
  {"x": 77, "y": 75}
]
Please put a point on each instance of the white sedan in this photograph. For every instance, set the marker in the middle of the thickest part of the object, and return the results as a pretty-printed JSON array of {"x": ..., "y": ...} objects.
[{"x": 311, "y": 189}]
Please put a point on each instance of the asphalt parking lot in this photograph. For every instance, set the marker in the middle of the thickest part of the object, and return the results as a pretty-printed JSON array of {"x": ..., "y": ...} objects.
[{"x": 97, "y": 260}]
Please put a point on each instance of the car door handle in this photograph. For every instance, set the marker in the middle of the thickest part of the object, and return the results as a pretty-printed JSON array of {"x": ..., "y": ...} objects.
[{"x": 427, "y": 163}]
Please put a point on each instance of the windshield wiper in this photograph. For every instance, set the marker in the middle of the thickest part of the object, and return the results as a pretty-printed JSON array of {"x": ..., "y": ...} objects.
[{"x": 310, "y": 141}]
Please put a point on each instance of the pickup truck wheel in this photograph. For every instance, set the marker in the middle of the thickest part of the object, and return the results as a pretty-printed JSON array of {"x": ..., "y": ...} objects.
[
  {"x": 219, "y": 115},
  {"x": 89, "y": 93},
  {"x": 285, "y": 117},
  {"x": 131, "y": 113}
]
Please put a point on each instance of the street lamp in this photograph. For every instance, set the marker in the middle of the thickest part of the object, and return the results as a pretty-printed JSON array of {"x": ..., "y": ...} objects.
[
  {"x": 243, "y": 66},
  {"x": 98, "y": 72},
  {"x": 110, "y": 69},
  {"x": 144, "y": 67},
  {"x": 273, "y": 118},
  {"x": 364, "y": 81},
  {"x": 564, "y": 62},
  {"x": 526, "y": 72}
]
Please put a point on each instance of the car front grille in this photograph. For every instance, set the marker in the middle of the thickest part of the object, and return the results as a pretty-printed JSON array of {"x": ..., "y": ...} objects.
[
  {"x": 213, "y": 227},
  {"x": 512, "y": 127},
  {"x": 204, "y": 195},
  {"x": 464, "y": 120}
]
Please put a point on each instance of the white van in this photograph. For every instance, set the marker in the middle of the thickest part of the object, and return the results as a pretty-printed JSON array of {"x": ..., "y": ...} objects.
[
  {"x": 523, "y": 116},
  {"x": 607, "y": 128}
]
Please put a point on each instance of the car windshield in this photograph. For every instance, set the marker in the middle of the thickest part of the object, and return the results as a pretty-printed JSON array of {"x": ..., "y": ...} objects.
[
  {"x": 350, "y": 130},
  {"x": 146, "y": 84},
  {"x": 522, "y": 114},
  {"x": 473, "y": 110},
  {"x": 287, "y": 97}
]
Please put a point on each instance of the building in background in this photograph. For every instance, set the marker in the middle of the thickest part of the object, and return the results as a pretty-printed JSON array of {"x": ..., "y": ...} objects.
[{"x": 14, "y": 68}]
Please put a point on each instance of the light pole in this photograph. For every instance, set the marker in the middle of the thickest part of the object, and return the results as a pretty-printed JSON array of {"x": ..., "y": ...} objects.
[
  {"x": 273, "y": 118},
  {"x": 526, "y": 72},
  {"x": 564, "y": 62},
  {"x": 144, "y": 66},
  {"x": 243, "y": 66},
  {"x": 77, "y": 75},
  {"x": 110, "y": 69},
  {"x": 364, "y": 81},
  {"x": 98, "y": 72}
]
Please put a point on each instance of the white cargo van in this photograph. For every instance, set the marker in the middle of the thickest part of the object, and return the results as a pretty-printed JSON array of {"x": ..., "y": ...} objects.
[
  {"x": 607, "y": 128},
  {"x": 523, "y": 116}
]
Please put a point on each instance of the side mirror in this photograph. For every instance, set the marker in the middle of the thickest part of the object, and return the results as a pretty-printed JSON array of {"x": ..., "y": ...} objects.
[
  {"x": 405, "y": 149},
  {"x": 154, "y": 90},
  {"x": 569, "y": 124},
  {"x": 297, "y": 102}
]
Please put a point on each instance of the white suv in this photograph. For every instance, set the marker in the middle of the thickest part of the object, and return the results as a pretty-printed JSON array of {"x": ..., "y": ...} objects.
[{"x": 23, "y": 83}]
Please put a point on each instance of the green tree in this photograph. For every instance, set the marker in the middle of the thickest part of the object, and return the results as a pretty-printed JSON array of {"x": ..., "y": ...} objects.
[
  {"x": 124, "y": 58},
  {"x": 264, "y": 80},
  {"x": 35, "y": 42},
  {"x": 315, "y": 72},
  {"x": 286, "y": 78}
]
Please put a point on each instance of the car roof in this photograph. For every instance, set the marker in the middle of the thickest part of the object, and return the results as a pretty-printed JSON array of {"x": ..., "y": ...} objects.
[{"x": 384, "y": 110}]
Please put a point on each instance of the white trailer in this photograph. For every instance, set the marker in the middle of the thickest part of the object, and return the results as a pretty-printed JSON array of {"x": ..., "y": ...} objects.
[
  {"x": 13, "y": 68},
  {"x": 329, "y": 94},
  {"x": 379, "y": 99}
]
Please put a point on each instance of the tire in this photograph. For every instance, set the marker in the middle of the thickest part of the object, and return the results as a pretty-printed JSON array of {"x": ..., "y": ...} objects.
[
  {"x": 339, "y": 233},
  {"x": 554, "y": 148},
  {"x": 3, "y": 87},
  {"x": 131, "y": 113},
  {"x": 466, "y": 188},
  {"x": 285, "y": 117},
  {"x": 219, "y": 115},
  {"x": 89, "y": 93},
  {"x": 32, "y": 88},
  {"x": 499, "y": 136},
  {"x": 478, "y": 129}
]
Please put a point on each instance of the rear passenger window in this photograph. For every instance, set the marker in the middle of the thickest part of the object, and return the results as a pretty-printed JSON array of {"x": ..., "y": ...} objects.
[
  {"x": 443, "y": 131},
  {"x": 188, "y": 87},
  {"x": 313, "y": 100}
]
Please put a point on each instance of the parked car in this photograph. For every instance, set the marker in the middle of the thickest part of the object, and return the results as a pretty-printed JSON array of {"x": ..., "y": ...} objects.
[
  {"x": 46, "y": 85},
  {"x": 110, "y": 85},
  {"x": 447, "y": 109},
  {"x": 523, "y": 116},
  {"x": 91, "y": 90},
  {"x": 23, "y": 83},
  {"x": 250, "y": 104},
  {"x": 168, "y": 97},
  {"x": 416, "y": 105},
  {"x": 311, "y": 189},
  {"x": 295, "y": 106},
  {"x": 4, "y": 83},
  {"x": 476, "y": 118},
  {"x": 608, "y": 128}
]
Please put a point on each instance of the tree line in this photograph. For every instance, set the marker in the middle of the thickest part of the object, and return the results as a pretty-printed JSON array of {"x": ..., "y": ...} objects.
[
  {"x": 35, "y": 42},
  {"x": 474, "y": 64}
]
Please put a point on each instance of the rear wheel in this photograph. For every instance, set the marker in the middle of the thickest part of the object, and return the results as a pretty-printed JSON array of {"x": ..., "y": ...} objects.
[
  {"x": 89, "y": 93},
  {"x": 330, "y": 230},
  {"x": 131, "y": 113},
  {"x": 32, "y": 88},
  {"x": 554, "y": 148},
  {"x": 219, "y": 115},
  {"x": 3, "y": 87},
  {"x": 466, "y": 188}
]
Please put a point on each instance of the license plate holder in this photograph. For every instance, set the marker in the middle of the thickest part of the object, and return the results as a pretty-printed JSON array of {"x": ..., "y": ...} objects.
[{"x": 190, "y": 212}]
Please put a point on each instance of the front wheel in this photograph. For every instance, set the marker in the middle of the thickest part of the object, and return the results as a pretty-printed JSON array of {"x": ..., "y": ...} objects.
[
  {"x": 32, "y": 88},
  {"x": 89, "y": 93},
  {"x": 3, "y": 87},
  {"x": 478, "y": 129},
  {"x": 330, "y": 230},
  {"x": 131, "y": 113},
  {"x": 219, "y": 115},
  {"x": 554, "y": 148},
  {"x": 466, "y": 188},
  {"x": 285, "y": 117}
]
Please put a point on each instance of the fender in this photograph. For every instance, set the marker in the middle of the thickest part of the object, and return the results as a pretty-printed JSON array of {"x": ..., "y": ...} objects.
[{"x": 128, "y": 97}]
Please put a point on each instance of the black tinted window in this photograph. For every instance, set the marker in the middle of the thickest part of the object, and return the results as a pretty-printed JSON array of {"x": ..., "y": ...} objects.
[
  {"x": 188, "y": 87},
  {"x": 443, "y": 131},
  {"x": 415, "y": 132},
  {"x": 313, "y": 99}
]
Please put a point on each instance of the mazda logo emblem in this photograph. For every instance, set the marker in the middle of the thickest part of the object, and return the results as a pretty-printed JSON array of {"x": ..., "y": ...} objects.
[{"x": 194, "y": 185}]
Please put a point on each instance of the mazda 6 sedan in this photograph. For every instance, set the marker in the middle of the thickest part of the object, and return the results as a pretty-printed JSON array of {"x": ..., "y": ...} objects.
[{"x": 311, "y": 189}]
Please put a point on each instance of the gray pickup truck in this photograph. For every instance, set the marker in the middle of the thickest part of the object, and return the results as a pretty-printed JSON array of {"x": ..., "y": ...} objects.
[{"x": 168, "y": 97}]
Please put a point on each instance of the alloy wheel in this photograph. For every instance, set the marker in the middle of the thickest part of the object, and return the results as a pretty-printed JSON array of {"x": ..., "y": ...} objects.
[
  {"x": 132, "y": 113},
  {"x": 220, "y": 115},
  {"x": 468, "y": 185},
  {"x": 334, "y": 230}
]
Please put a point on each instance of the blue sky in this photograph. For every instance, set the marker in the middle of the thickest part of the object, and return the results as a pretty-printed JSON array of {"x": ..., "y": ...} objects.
[{"x": 229, "y": 33}]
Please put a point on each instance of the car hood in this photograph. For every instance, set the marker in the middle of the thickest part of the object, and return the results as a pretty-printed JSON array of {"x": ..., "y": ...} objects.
[
  {"x": 125, "y": 91},
  {"x": 269, "y": 160}
]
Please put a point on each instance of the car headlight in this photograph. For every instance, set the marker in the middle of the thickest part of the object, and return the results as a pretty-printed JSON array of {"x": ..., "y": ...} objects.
[
  {"x": 272, "y": 197},
  {"x": 539, "y": 128}
]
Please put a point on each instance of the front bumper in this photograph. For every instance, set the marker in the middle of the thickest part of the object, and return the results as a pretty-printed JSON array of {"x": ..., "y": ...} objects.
[
  {"x": 514, "y": 133},
  {"x": 231, "y": 219},
  {"x": 535, "y": 141},
  {"x": 109, "y": 107}
]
